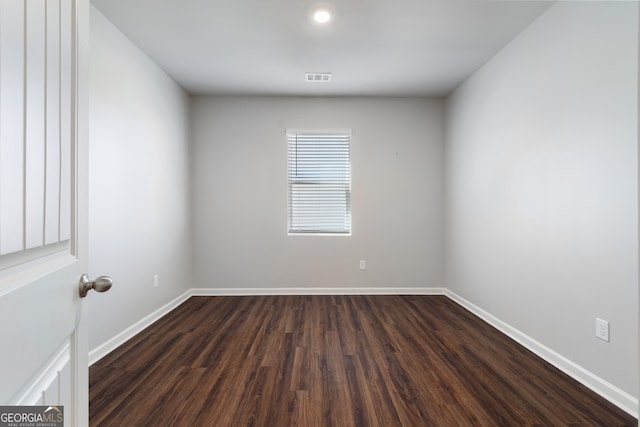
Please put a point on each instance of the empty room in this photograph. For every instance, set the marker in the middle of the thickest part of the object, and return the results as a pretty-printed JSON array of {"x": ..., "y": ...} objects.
[{"x": 342, "y": 213}]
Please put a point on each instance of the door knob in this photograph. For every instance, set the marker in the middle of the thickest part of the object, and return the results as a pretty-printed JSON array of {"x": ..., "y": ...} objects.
[{"x": 101, "y": 284}]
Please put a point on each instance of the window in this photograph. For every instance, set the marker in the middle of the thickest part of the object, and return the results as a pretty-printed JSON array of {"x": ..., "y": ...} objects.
[{"x": 319, "y": 182}]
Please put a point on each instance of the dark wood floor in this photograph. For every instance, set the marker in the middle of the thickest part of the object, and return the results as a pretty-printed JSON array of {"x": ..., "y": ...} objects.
[{"x": 333, "y": 361}]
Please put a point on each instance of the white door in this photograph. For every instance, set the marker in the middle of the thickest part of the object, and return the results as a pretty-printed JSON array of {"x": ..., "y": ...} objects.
[{"x": 43, "y": 204}]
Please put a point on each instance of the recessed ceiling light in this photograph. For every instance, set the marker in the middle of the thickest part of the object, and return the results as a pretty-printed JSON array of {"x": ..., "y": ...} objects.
[{"x": 322, "y": 16}]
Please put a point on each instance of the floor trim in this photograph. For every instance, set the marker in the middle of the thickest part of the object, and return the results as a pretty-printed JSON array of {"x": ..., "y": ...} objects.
[
  {"x": 107, "y": 347},
  {"x": 316, "y": 291},
  {"x": 613, "y": 394}
]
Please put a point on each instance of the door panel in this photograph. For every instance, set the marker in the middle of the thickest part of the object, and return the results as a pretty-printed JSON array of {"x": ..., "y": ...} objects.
[
  {"x": 43, "y": 203},
  {"x": 11, "y": 125},
  {"x": 35, "y": 328},
  {"x": 35, "y": 125}
]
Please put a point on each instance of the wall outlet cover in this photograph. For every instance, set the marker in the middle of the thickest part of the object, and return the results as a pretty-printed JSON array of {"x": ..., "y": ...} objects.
[{"x": 602, "y": 329}]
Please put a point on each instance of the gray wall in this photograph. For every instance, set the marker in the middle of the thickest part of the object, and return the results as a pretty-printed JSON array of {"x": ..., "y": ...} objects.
[
  {"x": 138, "y": 183},
  {"x": 542, "y": 190},
  {"x": 240, "y": 179}
]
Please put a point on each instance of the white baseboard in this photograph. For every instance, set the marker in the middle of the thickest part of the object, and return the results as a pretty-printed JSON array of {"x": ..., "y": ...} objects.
[
  {"x": 613, "y": 394},
  {"x": 316, "y": 291},
  {"x": 618, "y": 397},
  {"x": 124, "y": 336}
]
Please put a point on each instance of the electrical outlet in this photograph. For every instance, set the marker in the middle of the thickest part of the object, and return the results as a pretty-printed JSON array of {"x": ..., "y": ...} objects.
[
  {"x": 155, "y": 281},
  {"x": 363, "y": 264},
  {"x": 602, "y": 329}
]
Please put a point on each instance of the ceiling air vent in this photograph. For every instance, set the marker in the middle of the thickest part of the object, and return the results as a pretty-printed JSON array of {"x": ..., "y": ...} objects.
[{"x": 317, "y": 77}]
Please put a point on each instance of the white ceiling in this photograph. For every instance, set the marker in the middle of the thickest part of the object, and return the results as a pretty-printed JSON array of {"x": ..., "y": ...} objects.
[{"x": 372, "y": 47}]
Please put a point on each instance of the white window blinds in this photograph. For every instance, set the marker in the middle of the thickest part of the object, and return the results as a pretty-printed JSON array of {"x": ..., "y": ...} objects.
[{"x": 319, "y": 176}]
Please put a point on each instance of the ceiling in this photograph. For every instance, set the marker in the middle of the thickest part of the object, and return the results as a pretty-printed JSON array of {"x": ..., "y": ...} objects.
[{"x": 371, "y": 47}]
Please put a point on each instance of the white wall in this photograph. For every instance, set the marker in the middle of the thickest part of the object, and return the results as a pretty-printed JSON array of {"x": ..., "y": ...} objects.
[
  {"x": 139, "y": 183},
  {"x": 541, "y": 189},
  {"x": 240, "y": 194}
]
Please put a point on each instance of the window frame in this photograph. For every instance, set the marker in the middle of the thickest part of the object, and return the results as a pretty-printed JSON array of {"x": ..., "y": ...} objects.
[{"x": 348, "y": 133}]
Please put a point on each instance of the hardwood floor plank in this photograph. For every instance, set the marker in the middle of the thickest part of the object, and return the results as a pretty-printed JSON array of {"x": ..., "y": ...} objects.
[{"x": 334, "y": 361}]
